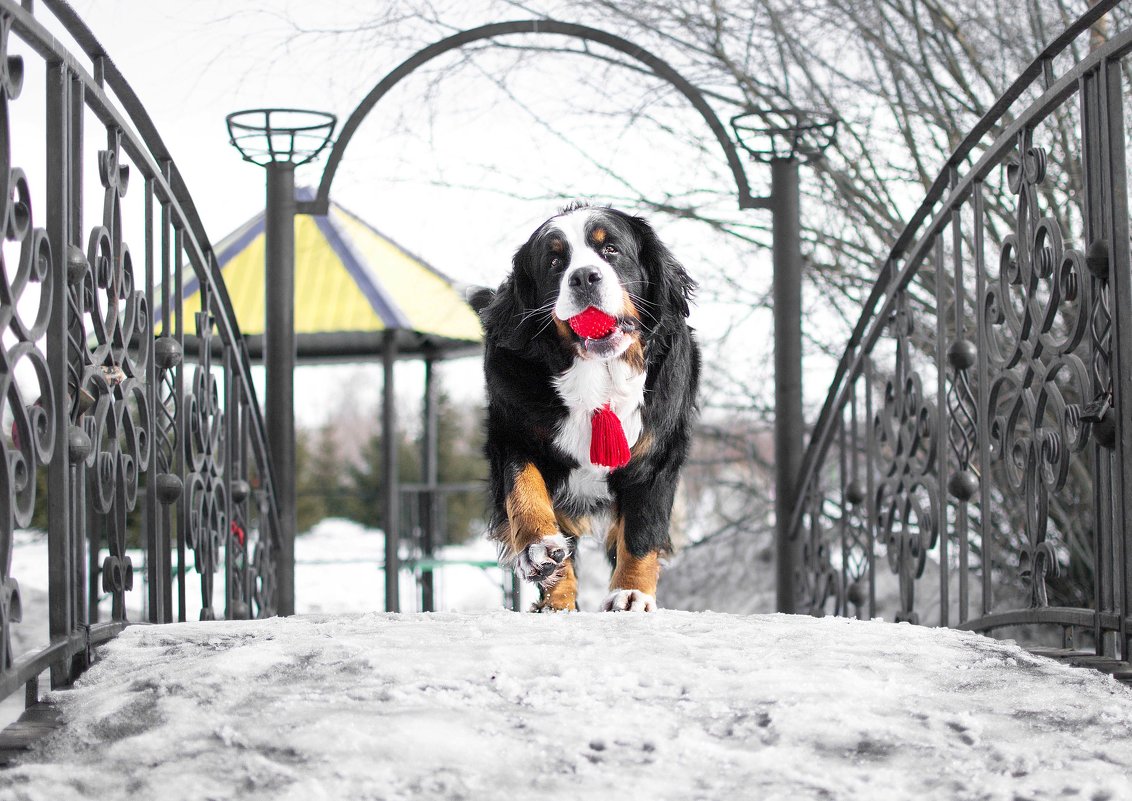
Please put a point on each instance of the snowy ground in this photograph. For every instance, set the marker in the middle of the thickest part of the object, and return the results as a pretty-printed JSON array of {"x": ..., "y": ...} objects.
[
  {"x": 338, "y": 569},
  {"x": 673, "y": 705}
]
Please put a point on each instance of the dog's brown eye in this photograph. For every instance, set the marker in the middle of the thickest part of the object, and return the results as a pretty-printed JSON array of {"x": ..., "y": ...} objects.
[
  {"x": 555, "y": 263},
  {"x": 609, "y": 250}
]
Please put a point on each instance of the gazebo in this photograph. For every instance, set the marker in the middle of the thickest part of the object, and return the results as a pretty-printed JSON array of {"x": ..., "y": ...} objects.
[
  {"x": 353, "y": 287},
  {"x": 358, "y": 296}
]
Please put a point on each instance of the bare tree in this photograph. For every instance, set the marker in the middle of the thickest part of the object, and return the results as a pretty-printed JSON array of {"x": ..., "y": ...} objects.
[{"x": 907, "y": 79}]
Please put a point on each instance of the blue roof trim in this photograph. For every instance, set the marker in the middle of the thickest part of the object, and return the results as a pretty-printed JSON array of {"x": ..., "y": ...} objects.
[
  {"x": 378, "y": 299},
  {"x": 442, "y": 276},
  {"x": 242, "y": 240}
]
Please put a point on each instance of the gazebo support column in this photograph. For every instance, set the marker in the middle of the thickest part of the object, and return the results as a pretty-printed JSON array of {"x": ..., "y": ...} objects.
[
  {"x": 279, "y": 362},
  {"x": 391, "y": 486},
  {"x": 430, "y": 470}
]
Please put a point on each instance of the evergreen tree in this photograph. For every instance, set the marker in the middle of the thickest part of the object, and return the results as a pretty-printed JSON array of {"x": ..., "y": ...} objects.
[
  {"x": 363, "y": 500},
  {"x": 460, "y": 461},
  {"x": 320, "y": 484}
]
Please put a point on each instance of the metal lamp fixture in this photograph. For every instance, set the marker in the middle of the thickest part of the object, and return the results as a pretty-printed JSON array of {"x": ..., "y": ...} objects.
[
  {"x": 785, "y": 138},
  {"x": 269, "y": 135},
  {"x": 784, "y": 134},
  {"x": 280, "y": 139}
]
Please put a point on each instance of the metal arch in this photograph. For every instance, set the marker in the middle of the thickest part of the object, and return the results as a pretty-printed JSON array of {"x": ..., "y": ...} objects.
[{"x": 660, "y": 67}]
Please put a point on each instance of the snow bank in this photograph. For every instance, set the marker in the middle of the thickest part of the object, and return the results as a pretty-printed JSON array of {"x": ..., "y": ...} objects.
[{"x": 674, "y": 705}]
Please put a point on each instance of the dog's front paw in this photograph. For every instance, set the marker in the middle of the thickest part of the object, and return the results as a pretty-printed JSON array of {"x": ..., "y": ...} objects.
[
  {"x": 629, "y": 601},
  {"x": 544, "y": 562}
]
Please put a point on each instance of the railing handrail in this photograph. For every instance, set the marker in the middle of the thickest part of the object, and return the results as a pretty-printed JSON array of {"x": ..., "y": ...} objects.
[{"x": 929, "y": 211}]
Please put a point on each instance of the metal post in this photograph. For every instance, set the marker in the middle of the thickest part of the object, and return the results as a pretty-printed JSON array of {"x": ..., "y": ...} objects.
[
  {"x": 279, "y": 363},
  {"x": 61, "y": 585},
  {"x": 1115, "y": 230},
  {"x": 787, "y": 369},
  {"x": 279, "y": 140},
  {"x": 156, "y": 544},
  {"x": 389, "y": 477},
  {"x": 430, "y": 470}
]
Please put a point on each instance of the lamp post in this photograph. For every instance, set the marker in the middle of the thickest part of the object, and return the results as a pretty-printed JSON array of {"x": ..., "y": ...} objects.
[
  {"x": 785, "y": 138},
  {"x": 280, "y": 140}
]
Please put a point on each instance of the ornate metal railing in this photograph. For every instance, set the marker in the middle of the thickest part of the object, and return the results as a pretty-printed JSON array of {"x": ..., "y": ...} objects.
[
  {"x": 972, "y": 464},
  {"x": 129, "y": 448}
]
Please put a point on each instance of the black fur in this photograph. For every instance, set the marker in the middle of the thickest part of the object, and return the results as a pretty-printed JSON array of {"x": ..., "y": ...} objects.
[{"x": 524, "y": 351}]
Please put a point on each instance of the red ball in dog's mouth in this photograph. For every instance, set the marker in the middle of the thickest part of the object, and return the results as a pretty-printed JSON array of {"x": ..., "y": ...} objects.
[{"x": 593, "y": 323}]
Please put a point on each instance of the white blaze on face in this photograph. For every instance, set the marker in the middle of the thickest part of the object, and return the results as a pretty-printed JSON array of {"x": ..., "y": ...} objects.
[{"x": 572, "y": 227}]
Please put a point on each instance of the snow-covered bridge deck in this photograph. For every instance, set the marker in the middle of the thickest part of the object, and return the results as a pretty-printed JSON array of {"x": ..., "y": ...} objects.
[{"x": 590, "y": 706}]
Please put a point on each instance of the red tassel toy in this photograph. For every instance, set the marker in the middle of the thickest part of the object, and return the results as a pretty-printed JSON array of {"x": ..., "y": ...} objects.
[{"x": 608, "y": 446}]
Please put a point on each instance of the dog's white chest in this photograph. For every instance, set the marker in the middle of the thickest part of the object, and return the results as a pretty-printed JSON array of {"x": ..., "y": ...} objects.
[{"x": 587, "y": 386}]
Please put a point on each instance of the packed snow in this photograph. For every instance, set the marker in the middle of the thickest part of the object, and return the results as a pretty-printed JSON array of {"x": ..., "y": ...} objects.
[
  {"x": 480, "y": 703},
  {"x": 338, "y": 569},
  {"x": 672, "y": 705}
]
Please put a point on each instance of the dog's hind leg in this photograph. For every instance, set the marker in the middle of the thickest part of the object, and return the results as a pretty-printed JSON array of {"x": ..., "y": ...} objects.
[{"x": 632, "y": 588}]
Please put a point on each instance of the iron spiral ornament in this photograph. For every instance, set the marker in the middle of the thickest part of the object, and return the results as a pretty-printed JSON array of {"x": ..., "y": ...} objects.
[
  {"x": 907, "y": 495},
  {"x": 110, "y": 359},
  {"x": 1035, "y": 318},
  {"x": 26, "y": 289}
]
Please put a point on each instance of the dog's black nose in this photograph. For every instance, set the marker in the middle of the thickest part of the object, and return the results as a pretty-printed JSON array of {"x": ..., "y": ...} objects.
[{"x": 584, "y": 276}]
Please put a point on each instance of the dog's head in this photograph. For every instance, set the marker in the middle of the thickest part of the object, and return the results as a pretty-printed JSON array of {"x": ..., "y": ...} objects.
[{"x": 588, "y": 258}]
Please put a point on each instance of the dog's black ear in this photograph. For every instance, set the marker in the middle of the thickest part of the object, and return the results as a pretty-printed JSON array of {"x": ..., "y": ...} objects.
[
  {"x": 670, "y": 286},
  {"x": 479, "y": 297},
  {"x": 504, "y": 310}
]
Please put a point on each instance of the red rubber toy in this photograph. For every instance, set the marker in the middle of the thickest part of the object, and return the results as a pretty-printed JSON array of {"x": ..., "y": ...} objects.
[{"x": 592, "y": 323}]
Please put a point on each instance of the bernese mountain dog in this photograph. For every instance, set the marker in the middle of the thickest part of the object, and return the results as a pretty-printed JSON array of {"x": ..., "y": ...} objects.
[{"x": 591, "y": 373}]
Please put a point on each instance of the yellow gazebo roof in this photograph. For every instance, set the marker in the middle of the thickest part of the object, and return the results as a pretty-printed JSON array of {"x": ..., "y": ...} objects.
[{"x": 352, "y": 284}]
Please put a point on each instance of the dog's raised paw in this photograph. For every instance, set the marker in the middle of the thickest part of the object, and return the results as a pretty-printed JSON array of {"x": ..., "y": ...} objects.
[
  {"x": 543, "y": 562},
  {"x": 629, "y": 601}
]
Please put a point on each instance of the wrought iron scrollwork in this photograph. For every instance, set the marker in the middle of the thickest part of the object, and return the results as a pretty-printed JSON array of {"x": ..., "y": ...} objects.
[
  {"x": 264, "y": 568},
  {"x": 23, "y": 319},
  {"x": 1034, "y": 316},
  {"x": 907, "y": 498},
  {"x": 110, "y": 402},
  {"x": 1017, "y": 453},
  {"x": 854, "y": 593},
  {"x": 963, "y": 415},
  {"x": 815, "y": 579},
  {"x": 207, "y": 496},
  {"x": 239, "y": 590}
]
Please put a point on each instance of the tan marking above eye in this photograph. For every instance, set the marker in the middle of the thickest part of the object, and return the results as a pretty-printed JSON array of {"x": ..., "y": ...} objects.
[
  {"x": 598, "y": 235},
  {"x": 557, "y": 246}
]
